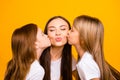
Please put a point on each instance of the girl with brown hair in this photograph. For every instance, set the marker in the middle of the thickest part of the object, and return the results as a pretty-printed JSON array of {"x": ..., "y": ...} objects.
[
  {"x": 57, "y": 59},
  {"x": 27, "y": 45}
]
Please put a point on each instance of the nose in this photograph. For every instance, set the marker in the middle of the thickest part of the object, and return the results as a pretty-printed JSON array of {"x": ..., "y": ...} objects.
[{"x": 58, "y": 32}]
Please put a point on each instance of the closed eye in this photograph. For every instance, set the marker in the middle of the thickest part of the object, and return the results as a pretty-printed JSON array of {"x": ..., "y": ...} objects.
[
  {"x": 51, "y": 30},
  {"x": 63, "y": 29}
]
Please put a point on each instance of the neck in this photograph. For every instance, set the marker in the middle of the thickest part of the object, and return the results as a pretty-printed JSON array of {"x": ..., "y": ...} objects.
[
  {"x": 56, "y": 52},
  {"x": 79, "y": 50},
  {"x": 39, "y": 52}
]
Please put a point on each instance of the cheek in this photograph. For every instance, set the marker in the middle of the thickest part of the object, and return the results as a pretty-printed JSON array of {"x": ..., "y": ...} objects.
[
  {"x": 39, "y": 38},
  {"x": 76, "y": 39},
  {"x": 65, "y": 38},
  {"x": 73, "y": 39},
  {"x": 71, "y": 36},
  {"x": 65, "y": 33},
  {"x": 51, "y": 38},
  {"x": 51, "y": 35}
]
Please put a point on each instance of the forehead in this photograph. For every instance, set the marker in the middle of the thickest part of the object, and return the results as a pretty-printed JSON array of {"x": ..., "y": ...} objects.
[{"x": 57, "y": 22}]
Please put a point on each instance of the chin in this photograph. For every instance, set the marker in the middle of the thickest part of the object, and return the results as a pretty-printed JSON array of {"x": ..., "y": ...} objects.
[
  {"x": 69, "y": 43},
  {"x": 59, "y": 44}
]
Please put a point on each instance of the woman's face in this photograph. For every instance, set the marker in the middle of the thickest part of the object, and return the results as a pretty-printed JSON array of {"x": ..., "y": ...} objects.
[
  {"x": 42, "y": 39},
  {"x": 57, "y": 32},
  {"x": 73, "y": 36}
]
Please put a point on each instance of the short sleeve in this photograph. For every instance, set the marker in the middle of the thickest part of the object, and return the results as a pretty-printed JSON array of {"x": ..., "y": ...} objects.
[
  {"x": 36, "y": 72},
  {"x": 88, "y": 68}
]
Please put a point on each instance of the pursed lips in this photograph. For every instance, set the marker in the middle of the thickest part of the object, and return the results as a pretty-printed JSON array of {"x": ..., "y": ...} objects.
[{"x": 58, "y": 39}]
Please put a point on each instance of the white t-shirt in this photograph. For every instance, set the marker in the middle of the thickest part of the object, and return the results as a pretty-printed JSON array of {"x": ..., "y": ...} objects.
[
  {"x": 87, "y": 67},
  {"x": 55, "y": 68},
  {"x": 36, "y": 71}
]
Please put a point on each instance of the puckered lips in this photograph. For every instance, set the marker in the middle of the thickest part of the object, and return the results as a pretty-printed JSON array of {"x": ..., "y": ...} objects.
[{"x": 58, "y": 39}]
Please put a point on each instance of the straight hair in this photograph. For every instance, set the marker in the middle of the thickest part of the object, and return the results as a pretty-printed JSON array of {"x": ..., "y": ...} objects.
[
  {"x": 91, "y": 37},
  {"x": 66, "y": 61},
  {"x": 23, "y": 52}
]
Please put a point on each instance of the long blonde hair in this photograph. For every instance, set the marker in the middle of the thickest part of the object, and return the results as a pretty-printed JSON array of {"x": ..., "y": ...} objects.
[
  {"x": 91, "y": 37},
  {"x": 23, "y": 52}
]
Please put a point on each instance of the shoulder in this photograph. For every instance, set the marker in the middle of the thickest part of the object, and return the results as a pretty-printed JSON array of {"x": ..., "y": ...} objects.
[
  {"x": 88, "y": 66},
  {"x": 87, "y": 60},
  {"x": 36, "y": 71},
  {"x": 35, "y": 66}
]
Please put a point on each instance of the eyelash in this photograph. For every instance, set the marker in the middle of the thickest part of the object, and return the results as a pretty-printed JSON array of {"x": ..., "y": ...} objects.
[
  {"x": 63, "y": 29},
  {"x": 52, "y": 30}
]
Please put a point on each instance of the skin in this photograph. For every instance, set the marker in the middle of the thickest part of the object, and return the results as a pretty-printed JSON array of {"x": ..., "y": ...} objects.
[
  {"x": 40, "y": 45},
  {"x": 73, "y": 39},
  {"x": 57, "y": 33}
]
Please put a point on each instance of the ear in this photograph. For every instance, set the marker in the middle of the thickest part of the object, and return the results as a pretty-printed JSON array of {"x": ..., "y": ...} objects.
[{"x": 82, "y": 42}]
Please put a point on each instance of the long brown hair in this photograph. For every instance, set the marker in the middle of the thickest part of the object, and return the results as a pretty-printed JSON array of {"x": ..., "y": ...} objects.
[
  {"x": 66, "y": 63},
  {"x": 91, "y": 32},
  {"x": 23, "y": 52}
]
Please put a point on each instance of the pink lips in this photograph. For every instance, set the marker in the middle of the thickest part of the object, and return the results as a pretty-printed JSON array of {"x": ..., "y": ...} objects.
[{"x": 58, "y": 39}]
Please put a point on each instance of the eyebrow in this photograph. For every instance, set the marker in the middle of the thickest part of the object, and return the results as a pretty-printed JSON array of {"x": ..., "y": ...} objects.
[
  {"x": 51, "y": 27},
  {"x": 63, "y": 25},
  {"x": 54, "y": 26}
]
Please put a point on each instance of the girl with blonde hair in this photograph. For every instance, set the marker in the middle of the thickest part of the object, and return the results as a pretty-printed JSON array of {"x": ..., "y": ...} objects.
[{"x": 87, "y": 35}]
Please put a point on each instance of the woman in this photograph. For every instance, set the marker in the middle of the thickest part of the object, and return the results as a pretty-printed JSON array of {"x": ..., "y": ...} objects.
[
  {"x": 27, "y": 46},
  {"x": 57, "y": 59},
  {"x": 86, "y": 36}
]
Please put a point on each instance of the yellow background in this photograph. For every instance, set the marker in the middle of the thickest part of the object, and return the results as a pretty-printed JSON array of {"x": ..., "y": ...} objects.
[{"x": 15, "y": 13}]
